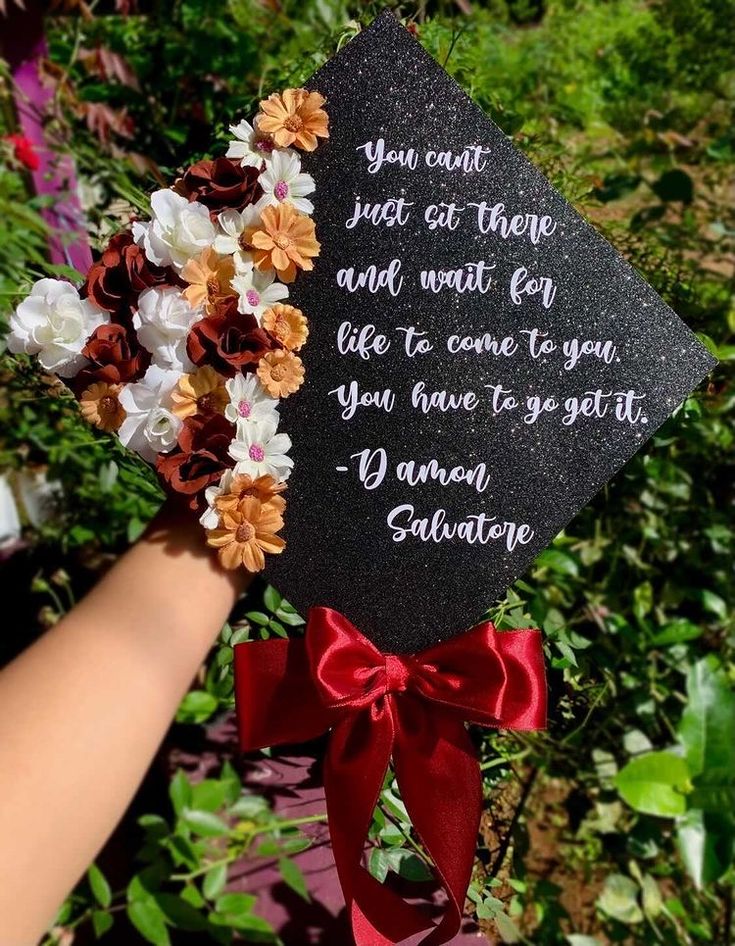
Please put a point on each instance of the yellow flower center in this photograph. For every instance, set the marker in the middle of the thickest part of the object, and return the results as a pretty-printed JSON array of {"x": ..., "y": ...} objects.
[
  {"x": 107, "y": 404},
  {"x": 293, "y": 123},
  {"x": 245, "y": 532},
  {"x": 278, "y": 372},
  {"x": 282, "y": 241}
]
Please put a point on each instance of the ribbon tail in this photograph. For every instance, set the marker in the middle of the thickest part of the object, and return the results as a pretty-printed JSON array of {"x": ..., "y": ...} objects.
[
  {"x": 269, "y": 675},
  {"x": 359, "y": 752},
  {"x": 439, "y": 777}
]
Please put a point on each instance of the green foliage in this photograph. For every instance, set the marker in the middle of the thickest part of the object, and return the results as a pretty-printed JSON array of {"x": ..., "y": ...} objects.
[
  {"x": 627, "y": 106},
  {"x": 184, "y": 858}
]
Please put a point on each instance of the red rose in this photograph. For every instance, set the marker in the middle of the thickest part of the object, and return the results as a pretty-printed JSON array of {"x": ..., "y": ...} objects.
[
  {"x": 123, "y": 271},
  {"x": 221, "y": 184},
  {"x": 201, "y": 457},
  {"x": 228, "y": 341},
  {"x": 116, "y": 356}
]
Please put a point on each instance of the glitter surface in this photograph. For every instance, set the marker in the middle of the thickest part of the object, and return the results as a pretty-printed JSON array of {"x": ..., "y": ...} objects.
[{"x": 341, "y": 552}]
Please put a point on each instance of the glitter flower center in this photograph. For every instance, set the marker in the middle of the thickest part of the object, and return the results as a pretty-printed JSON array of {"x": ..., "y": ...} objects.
[
  {"x": 278, "y": 372},
  {"x": 244, "y": 408},
  {"x": 107, "y": 404},
  {"x": 283, "y": 241},
  {"x": 245, "y": 532},
  {"x": 281, "y": 190},
  {"x": 264, "y": 145},
  {"x": 253, "y": 297},
  {"x": 256, "y": 453}
]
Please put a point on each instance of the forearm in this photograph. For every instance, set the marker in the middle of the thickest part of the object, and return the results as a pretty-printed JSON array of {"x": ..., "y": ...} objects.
[{"x": 84, "y": 709}]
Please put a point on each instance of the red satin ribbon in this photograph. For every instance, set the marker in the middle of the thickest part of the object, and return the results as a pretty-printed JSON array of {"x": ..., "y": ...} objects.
[{"x": 411, "y": 708}]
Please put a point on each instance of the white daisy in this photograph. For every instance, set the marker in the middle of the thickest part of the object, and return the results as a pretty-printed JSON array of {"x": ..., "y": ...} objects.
[
  {"x": 257, "y": 291},
  {"x": 249, "y": 400},
  {"x": 250, "y": 147},
  {"x": 259, "y": 450},
  {"x": 284, "y": 182},
  {"x": 210, "y": 517},
  {"x": 232, "y": 224}
]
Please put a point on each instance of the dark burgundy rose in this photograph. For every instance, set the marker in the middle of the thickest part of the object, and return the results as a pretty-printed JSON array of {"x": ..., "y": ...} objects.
[
  {"x": 228, "y": 341},
  {"x": 221, "y": 183},
  {"x": 115, "y": 356},
  {"x": 201, "y": 457},
  {"x": 116, "y": 280}
]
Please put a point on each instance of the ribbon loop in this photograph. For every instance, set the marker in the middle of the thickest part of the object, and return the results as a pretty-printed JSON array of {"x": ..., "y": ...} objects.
[{"x": 411, "y": 708}]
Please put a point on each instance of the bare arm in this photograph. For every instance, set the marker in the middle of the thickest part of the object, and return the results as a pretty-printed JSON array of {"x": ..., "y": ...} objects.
[{"x": 84, "y": 709}]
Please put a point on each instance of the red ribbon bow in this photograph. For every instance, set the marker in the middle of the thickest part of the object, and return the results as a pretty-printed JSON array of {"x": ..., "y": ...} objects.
[{"x": 411, "y": 708}]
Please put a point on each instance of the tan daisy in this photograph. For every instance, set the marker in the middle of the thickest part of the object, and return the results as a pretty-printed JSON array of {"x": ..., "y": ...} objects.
[
  {"x": 281, "y": 373},
  {"x": 246, "y": 533},
  {"x": 294, "y": 117},
  {"x": 209, "y": 277},
  {"x": 264, "y": 488},
  {"x": 284, "y": 240},
  {"x": 287, "y": 324},
  {"x": 100, "y": 406},
  {"x": 201, "y": 392}
]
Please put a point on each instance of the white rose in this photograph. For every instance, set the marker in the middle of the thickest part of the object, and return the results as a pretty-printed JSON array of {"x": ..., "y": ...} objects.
[
  {"x": 54, "y": 323},
  {"x": 178, "y": 230},
  {"x": 162, "y": 321},
  {"x": 150, "y": 427}
]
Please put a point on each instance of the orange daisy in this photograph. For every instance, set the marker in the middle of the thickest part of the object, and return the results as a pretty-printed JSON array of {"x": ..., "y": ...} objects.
[
  {"x": 264, "y": 488},
  {"x": 101, "y": 407},
  {"x": 201, "y": 392},
  {"x": 294, "y": 117},
  {"x": 281, "y": 373},
  {"x": 287, "y": 324},
  {"x": 247, "y": 532},
  {"x": 209, "y": 278},
  {"x": 283, "y": 240}
]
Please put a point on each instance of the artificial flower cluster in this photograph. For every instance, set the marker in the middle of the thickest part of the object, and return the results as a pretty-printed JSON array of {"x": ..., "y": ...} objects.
[{"x": 181, "y": 339}]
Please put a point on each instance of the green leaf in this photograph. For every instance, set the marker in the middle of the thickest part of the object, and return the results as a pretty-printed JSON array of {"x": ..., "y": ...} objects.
[
  {"x": 180, "y": 914},
  {"x": 654, "y": 783},
  {"x": 179, "y": 792},
  {"x": 214, "y": 881},
  {"x": 713, "y": 603},
  {"x": 271, "y": 599},
  {"x": 204, "y": 823},
  {"x": 509, "y": 932},
  {"x": 378, "y": 864},
  {"x": 99, "y": 886},
  {"x": 257, "y": 617},
  {"x": 197, "y": 707},
  {"x": 101, "y": 922},
  {"x": 557, "y": 561},
  {"x": 707, "y": 844},
  {"x": 677, "y": 632},
  {"x": 235, "y": 904},
  {"x": 148, "y": 919},
  {"x": 208, "y": 795},
  {"x": 293, "y": 877},
  {"x": 619, "y": 899},
  {"x": 231, "y": 780},
  {"x": 411, "y": 867},
  {"x": 707, "y": 726}
]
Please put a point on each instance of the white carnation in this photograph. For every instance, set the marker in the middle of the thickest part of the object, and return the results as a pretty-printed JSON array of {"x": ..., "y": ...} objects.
[
  {"x": 54, "y": 324},
  {"x": 178, "y": 230},
  {"x": 162, "y": 321}
]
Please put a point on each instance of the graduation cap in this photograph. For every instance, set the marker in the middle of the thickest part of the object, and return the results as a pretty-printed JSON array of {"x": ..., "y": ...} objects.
[{"x": 481, "y": 361}]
